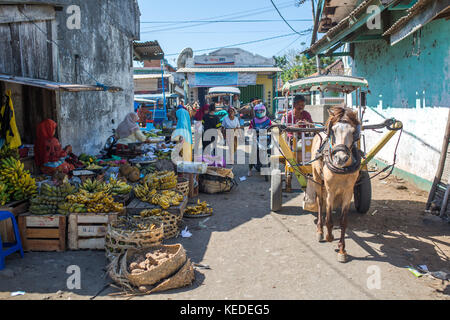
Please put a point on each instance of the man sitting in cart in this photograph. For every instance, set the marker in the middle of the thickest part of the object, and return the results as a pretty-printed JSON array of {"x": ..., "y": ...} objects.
[{"x": 298, "y": 117}]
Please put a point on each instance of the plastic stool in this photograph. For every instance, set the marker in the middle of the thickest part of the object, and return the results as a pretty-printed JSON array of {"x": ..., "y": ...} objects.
[{"x": 10, "y": 247}]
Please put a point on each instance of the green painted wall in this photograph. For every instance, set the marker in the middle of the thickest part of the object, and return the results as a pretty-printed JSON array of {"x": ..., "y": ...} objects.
[{"x": 415, "y": 68}]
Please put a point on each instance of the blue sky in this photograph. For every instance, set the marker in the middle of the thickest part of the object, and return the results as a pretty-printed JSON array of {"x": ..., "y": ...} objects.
[{"x": 175, "y": 36}]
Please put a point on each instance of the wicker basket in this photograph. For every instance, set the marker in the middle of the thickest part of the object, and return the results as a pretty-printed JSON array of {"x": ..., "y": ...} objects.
[
  {"x": 171, "y": 224},
  {"x": 117, "y": 240},
  {"x": 159, "y": 272},
  {"x": 183, "y": 186}
]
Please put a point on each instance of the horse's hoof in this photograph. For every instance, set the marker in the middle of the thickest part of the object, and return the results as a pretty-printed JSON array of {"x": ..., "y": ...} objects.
[
  {"x": 320, "y": 237},
  {"x": 342, "y": 257},
  {"x": 330, "y": 238}
]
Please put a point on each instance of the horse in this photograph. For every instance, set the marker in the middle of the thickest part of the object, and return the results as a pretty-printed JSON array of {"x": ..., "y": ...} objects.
[
  {"x": 247, "y": 112},
  {"x": 336, "y": 172}
]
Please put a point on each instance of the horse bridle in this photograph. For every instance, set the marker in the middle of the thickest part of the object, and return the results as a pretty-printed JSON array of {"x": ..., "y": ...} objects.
[{"x": 341, "y": 148}]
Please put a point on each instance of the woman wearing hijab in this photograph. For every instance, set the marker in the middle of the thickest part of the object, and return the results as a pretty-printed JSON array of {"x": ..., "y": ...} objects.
[
  {"x": 185, "y": 131},
  {"x": 49, "y": 155},
  {"x": 231, "y": 124},
  {"x": 128, "y": 131}
]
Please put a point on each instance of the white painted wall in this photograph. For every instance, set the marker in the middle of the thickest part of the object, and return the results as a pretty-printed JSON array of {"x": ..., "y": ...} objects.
[{"x": 421, "y": 142}]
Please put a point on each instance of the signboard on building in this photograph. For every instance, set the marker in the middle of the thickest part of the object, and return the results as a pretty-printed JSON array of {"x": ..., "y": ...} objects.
[
  {"x": 221, "y": 79},
  {"x": 213, "y": 61}
]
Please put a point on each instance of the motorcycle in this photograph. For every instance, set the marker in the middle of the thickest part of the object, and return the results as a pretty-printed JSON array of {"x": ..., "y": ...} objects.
[{"x": 108, "y": 149}]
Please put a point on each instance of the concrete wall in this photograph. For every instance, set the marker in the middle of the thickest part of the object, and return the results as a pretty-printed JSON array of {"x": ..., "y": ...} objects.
[
  {"x": 104, "y": 47},
  {"x": 409, "y": 81},
  {"x": 100, "y": 51},
  {"x": 268, "y": 89}
]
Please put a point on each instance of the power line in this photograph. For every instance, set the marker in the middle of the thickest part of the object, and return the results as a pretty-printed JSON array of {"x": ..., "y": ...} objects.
[
  {"x": 231, "y": 15},
  {"x": 290, "y": 44},
  {"x": 225, "y": 21},
  {"x": 252, "y": 13},
  {"x": 302, "y": 33},
  {"x": 283, "y": 17}
]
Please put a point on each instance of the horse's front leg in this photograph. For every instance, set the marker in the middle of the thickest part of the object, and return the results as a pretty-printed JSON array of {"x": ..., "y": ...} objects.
[
  {"x": 342, "y": 255},
  {"x": 320, "y": 207},
  {"x": 329, "y": 219}
]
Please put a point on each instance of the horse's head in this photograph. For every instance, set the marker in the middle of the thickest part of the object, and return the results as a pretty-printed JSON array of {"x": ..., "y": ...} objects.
[{"x": 343, "y": 132}]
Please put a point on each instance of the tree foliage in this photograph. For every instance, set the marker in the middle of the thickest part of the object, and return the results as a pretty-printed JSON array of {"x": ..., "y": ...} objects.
[{"x": 296, "y": 66}]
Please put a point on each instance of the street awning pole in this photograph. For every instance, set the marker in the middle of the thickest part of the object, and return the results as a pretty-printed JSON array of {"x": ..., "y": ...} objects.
[{"x": 163, "y": 87}]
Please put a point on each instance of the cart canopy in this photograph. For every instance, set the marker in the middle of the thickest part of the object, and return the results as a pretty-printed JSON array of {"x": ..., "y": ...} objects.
[
  {"x": 346, "y": 84},
  {"x": 224, "y": 90}
]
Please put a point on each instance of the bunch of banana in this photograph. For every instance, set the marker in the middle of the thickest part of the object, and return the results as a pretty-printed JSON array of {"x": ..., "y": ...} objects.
[
  {"x": 98, "y": 202},
  {"x": 49, "y": 198},
  {"x": 95, "y": 186},
  {"x": 119, "y": 187},
  {"x": 6, "y": 152},
  {"x": 154, "y": 213},
  {"x": 144, "y": 192},
  {"x": 200, "y": 208},
  {"x": 66, "y": 208},
  {"x": 162, "y": 180},
  {"x": 18, "y": 181},
  {"x": 4, "y": 195}
]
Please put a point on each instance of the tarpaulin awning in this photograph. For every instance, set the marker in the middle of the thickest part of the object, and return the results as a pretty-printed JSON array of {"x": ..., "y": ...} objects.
[{"x": 56, "y": 86}]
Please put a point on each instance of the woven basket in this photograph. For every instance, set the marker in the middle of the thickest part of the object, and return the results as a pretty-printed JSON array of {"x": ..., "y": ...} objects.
[
  {"x": 182, "y": 278},
  {"x": 159, "y": 272},
  {"x": 171, "y": 224},
  {"x": 117, "y": 240},
  {"x": 183, "y": 186}
]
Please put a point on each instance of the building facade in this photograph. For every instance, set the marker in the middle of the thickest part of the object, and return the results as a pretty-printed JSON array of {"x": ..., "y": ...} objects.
[
  {"x": 71, "y": 61},
  {"x": 403, "y": 49},
  {"x": 253, "y": 74}
]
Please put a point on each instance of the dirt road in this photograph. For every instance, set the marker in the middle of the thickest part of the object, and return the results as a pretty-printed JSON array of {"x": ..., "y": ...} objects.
[{"x": 257, "y": 254}]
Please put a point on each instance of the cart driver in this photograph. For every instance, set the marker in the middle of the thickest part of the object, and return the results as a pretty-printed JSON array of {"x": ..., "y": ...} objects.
[{"x": 298, "y": 117}]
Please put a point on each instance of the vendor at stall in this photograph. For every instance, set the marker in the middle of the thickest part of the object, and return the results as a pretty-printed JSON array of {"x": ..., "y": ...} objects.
[
  {"x": 184, "y": 130},
  {"x": 128, "y": 131},
  {"x": 49, "y": 155}
]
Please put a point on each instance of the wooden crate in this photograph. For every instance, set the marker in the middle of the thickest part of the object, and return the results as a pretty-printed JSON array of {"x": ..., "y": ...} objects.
[
  {"x": 43, "y": 233},
  {"x": 88, "y": 230},
  {"x": 136, "y": 206},
  {"x": 6, "y": 227}
]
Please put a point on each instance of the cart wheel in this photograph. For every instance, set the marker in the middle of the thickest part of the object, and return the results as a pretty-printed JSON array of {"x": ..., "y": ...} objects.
[
  {"x": 276, "y": 190},
  {"x": 363, "y": 193}
]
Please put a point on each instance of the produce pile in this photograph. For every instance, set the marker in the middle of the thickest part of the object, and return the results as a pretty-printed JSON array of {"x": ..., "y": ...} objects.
[
  {"x": 119, "y": 187},
  {"x": 4, "y": 195},
  {"x": 50, "y": 199},
  {"x": 113, "y": 163},
  {"x": 6, "y": 152},
  {"x": 87, "y": 159},
  {"x": 199, "y": 209},
  {"x": 161, "y": 180},
  {"x": 133, "y": 223},
  {"x": 130, "y": 173},
  {"x": 91, "y": 202},
  {"x": 151, "y": 259},
  {"x": 163, "y": 155},
  {"x": 94, "y": 186},
  {"x": 18, "y": 181},
  {"x": 146, "y": 169},
  {"x": 165, "y": 199},
  {"x": 154, "y": 213}
]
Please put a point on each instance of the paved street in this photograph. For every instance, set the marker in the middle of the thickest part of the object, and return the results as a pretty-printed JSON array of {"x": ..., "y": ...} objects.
[{"x": 256, "y": 254}]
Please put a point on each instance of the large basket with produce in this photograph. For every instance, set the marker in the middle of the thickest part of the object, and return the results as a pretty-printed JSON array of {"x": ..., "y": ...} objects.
[
  {"x": 132, "y": 233},
  {"x": 148, "y": 266},
  {"x": 171, "y": 222},
  {"x": 198, "y": 210}
]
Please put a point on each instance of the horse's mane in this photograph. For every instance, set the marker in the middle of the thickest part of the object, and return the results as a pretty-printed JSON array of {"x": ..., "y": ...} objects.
[{"x": 341, "y": 113}]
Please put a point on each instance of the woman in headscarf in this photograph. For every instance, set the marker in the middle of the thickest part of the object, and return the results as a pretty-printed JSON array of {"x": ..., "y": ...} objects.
[
  {"x": 231, "y": 125},
  {"x": 184, "y": 130},
  {"x": 49, "y": 155},
  {"x": 128, "y": 131}
]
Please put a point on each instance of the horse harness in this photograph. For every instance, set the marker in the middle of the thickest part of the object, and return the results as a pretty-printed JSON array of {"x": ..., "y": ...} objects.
[{"x": 327, "y": 152}]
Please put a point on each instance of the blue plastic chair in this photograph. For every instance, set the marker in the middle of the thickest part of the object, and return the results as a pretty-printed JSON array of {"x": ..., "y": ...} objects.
[{"x": 9, "y": 248}]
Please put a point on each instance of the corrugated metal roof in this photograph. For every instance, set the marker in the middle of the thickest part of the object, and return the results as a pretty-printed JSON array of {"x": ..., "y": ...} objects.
[
  {"x": 149, "y": 50},
  {"x": 150, "y": 76},
  {"x": 235, "y": 69},
  {"x": 413, "y": 11},
  {"x": 56, "y": 86}
]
